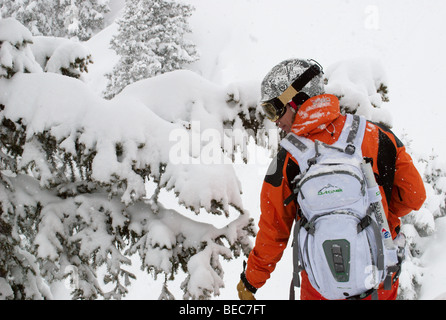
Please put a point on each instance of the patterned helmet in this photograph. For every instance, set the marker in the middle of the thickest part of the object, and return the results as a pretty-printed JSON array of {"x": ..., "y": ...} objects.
[{"x": 282, "y": 76}]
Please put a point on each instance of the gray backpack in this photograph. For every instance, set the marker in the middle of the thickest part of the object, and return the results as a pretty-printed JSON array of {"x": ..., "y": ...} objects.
[{"x": 337, "y": 239}]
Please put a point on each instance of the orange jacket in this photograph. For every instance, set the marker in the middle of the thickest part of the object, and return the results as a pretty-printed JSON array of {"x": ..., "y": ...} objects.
[{"x": 318, "y": 118}]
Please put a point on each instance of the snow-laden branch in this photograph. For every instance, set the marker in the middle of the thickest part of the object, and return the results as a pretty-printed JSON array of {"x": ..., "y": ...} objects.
[
  {"x": 74, "y": 169},
  {"x": 124, "y": 140}
]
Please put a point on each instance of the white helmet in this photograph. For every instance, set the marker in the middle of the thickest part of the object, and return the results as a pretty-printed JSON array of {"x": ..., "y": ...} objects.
[
  {"x": 291, "y": 80},
  {"x": 282, "y": 76}
]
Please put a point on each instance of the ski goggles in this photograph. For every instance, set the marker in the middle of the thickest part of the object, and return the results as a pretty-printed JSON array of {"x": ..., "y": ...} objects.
[{"x": 275, "y": 108}]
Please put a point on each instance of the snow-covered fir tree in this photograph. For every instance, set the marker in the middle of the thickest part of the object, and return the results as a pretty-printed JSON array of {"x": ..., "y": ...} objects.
[
  {"x": 420, "y": 226},
  {"x": 21, "y": 52},
  {"x": 74, "y": 169},
  {"x": 58, "y": 18},
  {"x": 82, "y": 18},
  {"x": 39, "y": 16},
  {"x": 61, "y": 55},
  {"x": 15, "y": 51},
  {"x": 151, "y": 41}
]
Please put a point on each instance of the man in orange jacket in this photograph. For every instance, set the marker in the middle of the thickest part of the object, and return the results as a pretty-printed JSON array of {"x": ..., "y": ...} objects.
[{"x": 300, "y": 112}]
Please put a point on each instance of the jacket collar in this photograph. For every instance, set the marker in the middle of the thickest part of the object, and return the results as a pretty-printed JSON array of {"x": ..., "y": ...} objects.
[{"x": 316, "y": 114}]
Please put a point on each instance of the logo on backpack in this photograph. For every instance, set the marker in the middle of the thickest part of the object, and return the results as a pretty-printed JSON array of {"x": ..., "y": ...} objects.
[{"x": 329, "y": 189}]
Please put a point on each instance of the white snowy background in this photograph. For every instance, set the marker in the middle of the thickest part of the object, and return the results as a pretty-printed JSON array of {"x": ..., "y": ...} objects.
[{"x": 240, "y": 40}]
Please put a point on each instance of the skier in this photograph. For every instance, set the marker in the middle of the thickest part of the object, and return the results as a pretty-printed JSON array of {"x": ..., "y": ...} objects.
[{"x": 308, "y": 112}]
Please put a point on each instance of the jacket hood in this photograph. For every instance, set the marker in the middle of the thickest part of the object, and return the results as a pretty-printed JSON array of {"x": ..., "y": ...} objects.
[{"x": 316, "y": 114}]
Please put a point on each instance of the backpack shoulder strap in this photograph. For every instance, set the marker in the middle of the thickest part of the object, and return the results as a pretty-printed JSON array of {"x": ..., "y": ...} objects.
[
  {"x": 300, "y": 148},
  {"x": 353, "y": 132}
]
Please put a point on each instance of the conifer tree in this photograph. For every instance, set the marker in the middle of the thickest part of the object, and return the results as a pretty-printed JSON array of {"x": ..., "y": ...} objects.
[
  {"x": 39, "y": 16},
  {"x": 81, "y": 18},
  {"x": 58, "y": 18},
  {"x": 73, "y": 198},
  {"x": 150, "y": 42}
]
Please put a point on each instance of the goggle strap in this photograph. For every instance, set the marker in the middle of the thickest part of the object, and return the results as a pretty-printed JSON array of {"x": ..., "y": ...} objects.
[
  {"x": 306, "y": 77},
  {"x": 300, "y": 98},
  {"x": 288, "y": 95}
]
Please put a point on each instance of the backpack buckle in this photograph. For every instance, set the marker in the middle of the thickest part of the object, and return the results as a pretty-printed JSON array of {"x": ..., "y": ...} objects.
[
  {"x": 364, "y": 223},
  {"x": 350, "y": 149},
  {"x": 309, "y": 227}
]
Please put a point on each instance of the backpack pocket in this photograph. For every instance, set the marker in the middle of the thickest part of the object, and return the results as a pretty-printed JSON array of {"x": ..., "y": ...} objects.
[
  {"x": 338, "y": 260},
  {"x": 328, "y": 187}
]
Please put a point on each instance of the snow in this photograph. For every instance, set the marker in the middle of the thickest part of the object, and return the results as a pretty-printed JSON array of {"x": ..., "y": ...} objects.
[
  {"x": 361, "y": 78},
  {"x": 239, "y": 41},
  {"x": 435, "y": 260},
  {"x": 14, "y": 52},
  {"x": 128, "y": 120},
  {"x": 53, "y": 53},
  {"x": 13, "y": 31}
]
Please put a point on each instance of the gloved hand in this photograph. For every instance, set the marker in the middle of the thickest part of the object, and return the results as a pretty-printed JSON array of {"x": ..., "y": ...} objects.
[
  {"x": 243, "y": 292},
  {"x": 400, "y": 242}
]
